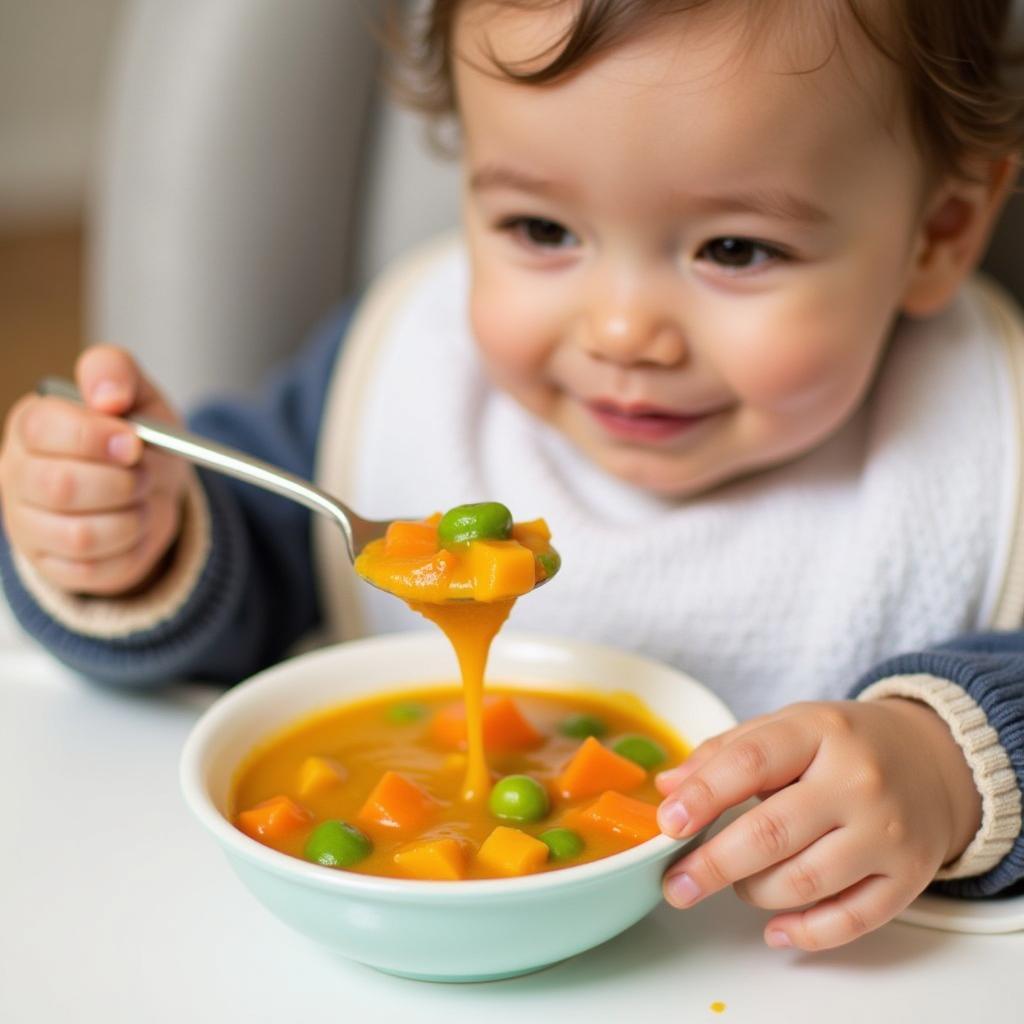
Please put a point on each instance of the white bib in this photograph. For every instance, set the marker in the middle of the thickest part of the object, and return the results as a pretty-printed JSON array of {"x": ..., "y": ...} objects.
[{"x": 898, "y": 532}]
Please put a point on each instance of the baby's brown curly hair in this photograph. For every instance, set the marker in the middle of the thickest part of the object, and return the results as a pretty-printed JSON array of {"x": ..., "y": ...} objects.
[{"x": 952, "y": 55}]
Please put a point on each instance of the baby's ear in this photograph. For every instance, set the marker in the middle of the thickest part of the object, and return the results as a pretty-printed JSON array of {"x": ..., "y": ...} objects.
[{"x": 954, "y": 232}]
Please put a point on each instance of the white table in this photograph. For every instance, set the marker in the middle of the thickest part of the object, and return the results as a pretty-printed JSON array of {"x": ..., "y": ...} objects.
[{"x": 116, "y": 906}]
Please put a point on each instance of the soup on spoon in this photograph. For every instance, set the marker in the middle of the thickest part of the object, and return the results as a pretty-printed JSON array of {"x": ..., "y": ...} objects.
[{"x": 463, "y": 571}]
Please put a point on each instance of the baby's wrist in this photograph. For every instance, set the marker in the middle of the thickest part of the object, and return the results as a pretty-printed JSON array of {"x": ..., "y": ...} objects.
[{"x": 963, "y": 798}]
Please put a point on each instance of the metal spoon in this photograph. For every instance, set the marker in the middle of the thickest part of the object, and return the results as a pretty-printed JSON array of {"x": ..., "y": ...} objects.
[{"x": 212, "y": 455}]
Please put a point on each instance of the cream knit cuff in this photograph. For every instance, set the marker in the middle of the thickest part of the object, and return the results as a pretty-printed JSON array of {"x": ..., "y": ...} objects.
[
  {"x": 117, "y": 617},
  {"x": 989, "y": 763}
]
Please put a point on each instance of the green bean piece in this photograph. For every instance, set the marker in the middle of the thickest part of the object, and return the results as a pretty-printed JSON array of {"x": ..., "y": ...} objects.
[
  {"x": 485, "y": 520},
  {"x": 519, "y": 798},
  {"x": 642, "y": 749},
  {"x": 563, "y": 843},
  {"x": 579, "y": 727},
  {"x": 336, "y": 844}
]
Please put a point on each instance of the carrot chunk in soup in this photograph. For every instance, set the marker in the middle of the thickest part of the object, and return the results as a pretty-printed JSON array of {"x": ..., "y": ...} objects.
[
  {"x": 276, "y": 819},
  {"x": 613, "y": 812},
  {"x": 505, "y": 728},
  {"x": 594, "y": 768},
  {"x": 397, "y": 803}
]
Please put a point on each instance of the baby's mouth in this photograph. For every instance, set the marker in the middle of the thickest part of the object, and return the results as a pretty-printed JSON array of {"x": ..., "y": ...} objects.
[{"x": 643, "y": 422}]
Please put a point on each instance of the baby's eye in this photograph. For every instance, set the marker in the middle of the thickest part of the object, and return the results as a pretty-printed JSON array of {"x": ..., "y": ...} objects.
[
  {"x": 738, "y": 253},
  {"x": 541, "y": 232}
]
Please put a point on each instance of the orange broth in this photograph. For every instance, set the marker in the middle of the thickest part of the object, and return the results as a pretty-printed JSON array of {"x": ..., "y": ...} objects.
[{"x": 363, "y": 740}]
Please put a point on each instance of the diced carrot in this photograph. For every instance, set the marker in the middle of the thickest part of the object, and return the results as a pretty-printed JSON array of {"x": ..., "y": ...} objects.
[
  {"x": 594, "y": 768},
  {"x": 397, "y": 803},
  {"x": 409, "y": 539},
  {"x": 505, "y": 728},
  {"x": 623, "y": 815},
  {"x": 273, "y": 820},
  {"x": 534, "y": 533},
  {"x": 510, "y": 851},
  {"x": 500, "y": 568},
  {"x": 320, "y": 775},
  {"x": 440, "y": 859}
]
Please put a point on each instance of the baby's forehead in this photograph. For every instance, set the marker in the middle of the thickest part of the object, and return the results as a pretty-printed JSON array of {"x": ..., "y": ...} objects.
[{"x": 718, "y": 44}]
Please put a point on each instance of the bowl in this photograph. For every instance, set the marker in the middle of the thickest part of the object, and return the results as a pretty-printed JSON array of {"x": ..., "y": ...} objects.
[{"x": 472, "y": 930}]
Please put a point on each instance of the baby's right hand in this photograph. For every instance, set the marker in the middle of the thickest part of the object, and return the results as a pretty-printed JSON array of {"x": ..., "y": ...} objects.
[{"x": 84, "y": 501}]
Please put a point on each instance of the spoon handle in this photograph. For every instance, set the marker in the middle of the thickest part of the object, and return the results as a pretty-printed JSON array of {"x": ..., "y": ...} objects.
[{"x": 222, "y": 459}]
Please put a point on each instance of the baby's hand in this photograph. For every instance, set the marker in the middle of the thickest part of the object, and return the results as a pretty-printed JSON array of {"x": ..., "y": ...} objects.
[
  {"x": 861, "y": 804},
  {"x": 82, "y": 500}
]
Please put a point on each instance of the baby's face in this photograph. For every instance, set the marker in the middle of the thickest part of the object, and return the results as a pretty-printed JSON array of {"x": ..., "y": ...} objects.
[{"x": 684, "y": 257}]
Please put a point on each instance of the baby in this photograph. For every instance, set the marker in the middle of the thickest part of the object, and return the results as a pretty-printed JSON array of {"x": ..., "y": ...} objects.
[{"x": 711, "y": 314}]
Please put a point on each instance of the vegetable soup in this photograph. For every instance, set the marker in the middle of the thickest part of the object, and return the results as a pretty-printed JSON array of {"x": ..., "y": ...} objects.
[{"x": 376, "y": 786}]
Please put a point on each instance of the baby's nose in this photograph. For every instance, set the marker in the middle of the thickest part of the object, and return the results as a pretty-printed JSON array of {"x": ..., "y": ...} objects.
[{"x": 631, "y": 332}]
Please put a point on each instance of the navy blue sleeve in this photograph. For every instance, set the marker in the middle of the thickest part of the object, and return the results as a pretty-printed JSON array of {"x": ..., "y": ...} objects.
[
  {"x": 256, "y": 595},
  {"x": 990, "y": 668}
]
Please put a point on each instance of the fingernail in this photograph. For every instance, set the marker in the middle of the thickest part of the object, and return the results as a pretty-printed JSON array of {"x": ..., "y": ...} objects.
[
  {"x": 778, "y": 939},
  {"x": 682, "y": 891},
  {"x": 107, "y": 391},
  {"x": 671, "y": 775},
  {"x": 122, "y": 448},
  {"x": 672, "y": 817}
]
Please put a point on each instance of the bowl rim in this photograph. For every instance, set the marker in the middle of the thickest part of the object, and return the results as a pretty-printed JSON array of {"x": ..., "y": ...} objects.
[{"x": 213, "y": 720}]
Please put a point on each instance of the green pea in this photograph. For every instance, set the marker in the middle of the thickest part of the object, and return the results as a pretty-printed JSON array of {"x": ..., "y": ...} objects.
[
  {"x": 519, "y": 798},
  {"x": 551, "y": 562},
  {"x": 336, "y": 844},
  {"x": 486, "y": 520},
  {"x": 407, "y": 711},
  {"x": 579, "y": 727},
  {"x": 563, "y": 843},
  {"x": 641, "y": 749}
]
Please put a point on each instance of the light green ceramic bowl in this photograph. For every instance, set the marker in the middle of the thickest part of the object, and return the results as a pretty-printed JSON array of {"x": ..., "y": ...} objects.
[{"x": 439, "y": 931}]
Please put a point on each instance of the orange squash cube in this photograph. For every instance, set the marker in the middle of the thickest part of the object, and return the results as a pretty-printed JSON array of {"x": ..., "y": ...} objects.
[
  {"x": 505, "y": 728},
  {"x": 594, "y": 768},
  {"x": 510, "y": 851},
  {"x": 397, "y": 803},
  {"x": 273, "y": 820},
  {"x": 436, "y": 859},
  {"x": 500, "y": 569},
  {"x": 534, "y": 534},
  {"x": 622, "y": 815},
  {"x": 410, "y": 539},
  {"x": 320, "y": 775}
]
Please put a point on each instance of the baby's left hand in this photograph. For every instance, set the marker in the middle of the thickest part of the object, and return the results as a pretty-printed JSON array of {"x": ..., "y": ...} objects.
[{"x": 861, "y": 804}]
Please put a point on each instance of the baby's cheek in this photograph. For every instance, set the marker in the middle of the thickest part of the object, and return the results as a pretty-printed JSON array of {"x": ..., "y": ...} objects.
[
  {"x": 510, "y": 333},
  {"x": 796, "y": 374}
]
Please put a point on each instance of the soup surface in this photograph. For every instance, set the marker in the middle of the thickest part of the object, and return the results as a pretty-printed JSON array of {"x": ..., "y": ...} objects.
[{"x": 376, "y": 786}]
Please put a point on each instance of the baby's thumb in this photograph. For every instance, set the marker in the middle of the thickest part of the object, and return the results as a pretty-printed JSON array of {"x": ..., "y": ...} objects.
[{"x": 111, "y": 382}]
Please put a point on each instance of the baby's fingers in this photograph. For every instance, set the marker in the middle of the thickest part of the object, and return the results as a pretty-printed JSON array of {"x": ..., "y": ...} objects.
[
  {"x": 861, "y": 908},
  {"x": 765, "y": 758},
  {"x": 123, "y": 571},
  {"x": 64, "y": 485},
  {"x": 54, "y": 428},
  {"x": 772, "y": 832},
  {"x": 85, "y": 536}
]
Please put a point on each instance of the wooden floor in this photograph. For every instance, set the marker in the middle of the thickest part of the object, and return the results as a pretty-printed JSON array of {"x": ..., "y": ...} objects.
[{"x": 41, "y": 324}]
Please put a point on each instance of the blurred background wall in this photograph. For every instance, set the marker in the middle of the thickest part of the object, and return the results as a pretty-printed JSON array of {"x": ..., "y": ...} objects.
[{"x": 53, "y": 59}]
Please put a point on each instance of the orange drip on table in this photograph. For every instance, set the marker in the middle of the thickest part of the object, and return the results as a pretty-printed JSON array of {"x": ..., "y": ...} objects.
[{"x": 471, "y": 626}]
